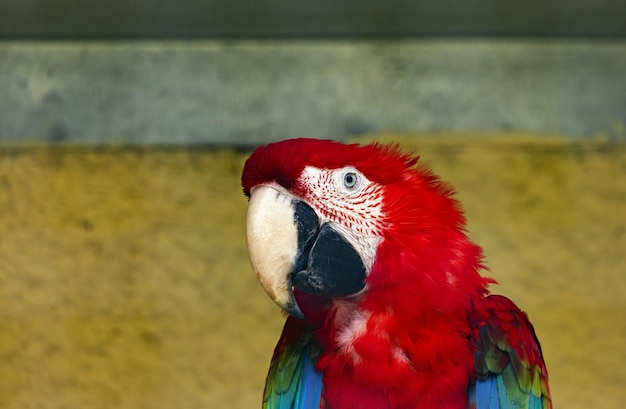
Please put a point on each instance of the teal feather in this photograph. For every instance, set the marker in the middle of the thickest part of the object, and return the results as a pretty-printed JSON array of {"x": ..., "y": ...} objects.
[{"x": 292, "y": 381}]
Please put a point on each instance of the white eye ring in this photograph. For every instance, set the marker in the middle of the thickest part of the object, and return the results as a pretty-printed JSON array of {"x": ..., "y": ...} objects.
[{"x": 351, "y": 180}]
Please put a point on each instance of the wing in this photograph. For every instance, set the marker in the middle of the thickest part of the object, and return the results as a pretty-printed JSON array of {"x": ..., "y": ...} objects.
[
  {"x": 510, "y": 369},
  {"x": 292, "y": 381}
]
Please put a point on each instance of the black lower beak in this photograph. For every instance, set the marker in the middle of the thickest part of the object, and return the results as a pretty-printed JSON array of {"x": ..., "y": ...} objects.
[{"x": 327, "y": 265}]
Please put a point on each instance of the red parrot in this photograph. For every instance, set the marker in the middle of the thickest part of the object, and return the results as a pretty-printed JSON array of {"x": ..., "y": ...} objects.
[{"x": 367, "y": 252}]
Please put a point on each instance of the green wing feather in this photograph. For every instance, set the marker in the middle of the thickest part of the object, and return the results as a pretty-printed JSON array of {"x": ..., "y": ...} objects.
[
  {"x": 509, "y": 363},
  {"x": 292, "y": 381}
]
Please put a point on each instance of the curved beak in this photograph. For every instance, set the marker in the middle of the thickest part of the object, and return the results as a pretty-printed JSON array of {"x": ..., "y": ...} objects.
[
  {"x": 272, "y": 239},
  {"x": 288, "y": 247}
]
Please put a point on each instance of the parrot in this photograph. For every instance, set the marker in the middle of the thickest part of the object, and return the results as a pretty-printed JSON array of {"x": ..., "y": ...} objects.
[{"x": 367, "y": 253}]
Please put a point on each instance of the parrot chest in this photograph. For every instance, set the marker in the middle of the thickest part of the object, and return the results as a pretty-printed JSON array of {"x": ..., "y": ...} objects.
[{"x": 378, "y": 362}]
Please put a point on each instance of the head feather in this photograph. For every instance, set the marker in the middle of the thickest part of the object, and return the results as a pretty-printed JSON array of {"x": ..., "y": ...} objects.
[{"x": 282, "y": 162}]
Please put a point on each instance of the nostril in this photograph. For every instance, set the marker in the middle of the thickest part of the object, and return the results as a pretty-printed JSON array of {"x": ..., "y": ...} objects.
[{"x": 308, "y": 282}]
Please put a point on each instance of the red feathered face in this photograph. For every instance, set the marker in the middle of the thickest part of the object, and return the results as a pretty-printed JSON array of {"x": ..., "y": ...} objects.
[{"x": 319, "y": 210}]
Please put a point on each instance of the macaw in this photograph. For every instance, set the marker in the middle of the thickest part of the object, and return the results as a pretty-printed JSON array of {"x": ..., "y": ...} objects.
[{"x": 366, "y": 251}]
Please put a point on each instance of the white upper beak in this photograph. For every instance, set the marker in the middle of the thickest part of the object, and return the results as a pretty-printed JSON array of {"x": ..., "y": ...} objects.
[{"x": 272, "y": 239}]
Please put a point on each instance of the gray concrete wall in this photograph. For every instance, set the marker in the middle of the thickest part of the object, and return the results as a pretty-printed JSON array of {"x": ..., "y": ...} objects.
[{"x": 247, "y": 92}]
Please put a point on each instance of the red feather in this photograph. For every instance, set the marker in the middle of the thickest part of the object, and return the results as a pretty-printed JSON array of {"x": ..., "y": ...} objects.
[{"x": 284, "y": 161}]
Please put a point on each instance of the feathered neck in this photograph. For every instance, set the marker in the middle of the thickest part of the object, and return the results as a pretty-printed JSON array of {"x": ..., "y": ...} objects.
[{"x": 409, "y": 333}]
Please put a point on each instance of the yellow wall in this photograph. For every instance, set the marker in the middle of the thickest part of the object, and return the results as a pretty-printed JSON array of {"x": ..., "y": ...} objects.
[{"x": 124, "y": 280}]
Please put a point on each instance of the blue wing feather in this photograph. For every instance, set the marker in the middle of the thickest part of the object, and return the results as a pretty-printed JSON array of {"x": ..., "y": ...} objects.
[
  {"x": 309, "y": 390},
  {"x": 484, "y": 394},
  {"x": 491, "y": 393},
  {"x": 292, "y": 381}
]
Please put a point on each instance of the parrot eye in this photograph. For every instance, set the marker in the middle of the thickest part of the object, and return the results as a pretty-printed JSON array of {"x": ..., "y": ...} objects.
[{"x": 350, "y": 180}]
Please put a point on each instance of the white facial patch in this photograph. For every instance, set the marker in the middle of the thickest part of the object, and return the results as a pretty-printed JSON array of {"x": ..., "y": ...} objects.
[{"x": 349, "y": 202}]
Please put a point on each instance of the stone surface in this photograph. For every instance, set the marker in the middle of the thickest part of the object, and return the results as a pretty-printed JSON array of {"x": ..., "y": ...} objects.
[{"x": 249, "y": 92}]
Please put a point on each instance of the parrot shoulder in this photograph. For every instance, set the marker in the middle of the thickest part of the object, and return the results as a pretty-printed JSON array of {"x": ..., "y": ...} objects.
[{"x": 510, "y": 370}]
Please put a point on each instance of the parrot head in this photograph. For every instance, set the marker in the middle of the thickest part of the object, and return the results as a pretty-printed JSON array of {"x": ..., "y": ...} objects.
[{"x": 342, "y": 221}]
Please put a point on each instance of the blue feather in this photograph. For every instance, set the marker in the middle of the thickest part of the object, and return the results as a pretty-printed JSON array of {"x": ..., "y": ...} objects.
[
  {"x": 310, "y": 387},
  {"x": 491, "y": 393},
  {"x": 485, "y": 394},
  {"x": 293, "y": 382}
]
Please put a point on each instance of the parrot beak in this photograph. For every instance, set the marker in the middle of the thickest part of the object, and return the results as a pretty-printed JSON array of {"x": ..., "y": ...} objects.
[
  {"x": 288, "y": 247},
  {"x": 272, "y": 239}
]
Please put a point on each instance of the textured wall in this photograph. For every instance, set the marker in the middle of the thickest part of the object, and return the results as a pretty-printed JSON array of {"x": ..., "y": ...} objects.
[
  {"x": 124, "y": 280},
  {"x": 215, "y": 92}
]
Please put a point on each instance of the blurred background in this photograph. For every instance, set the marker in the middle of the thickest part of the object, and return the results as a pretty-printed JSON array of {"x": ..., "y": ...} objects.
[{"x": 124, "y": 279}]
